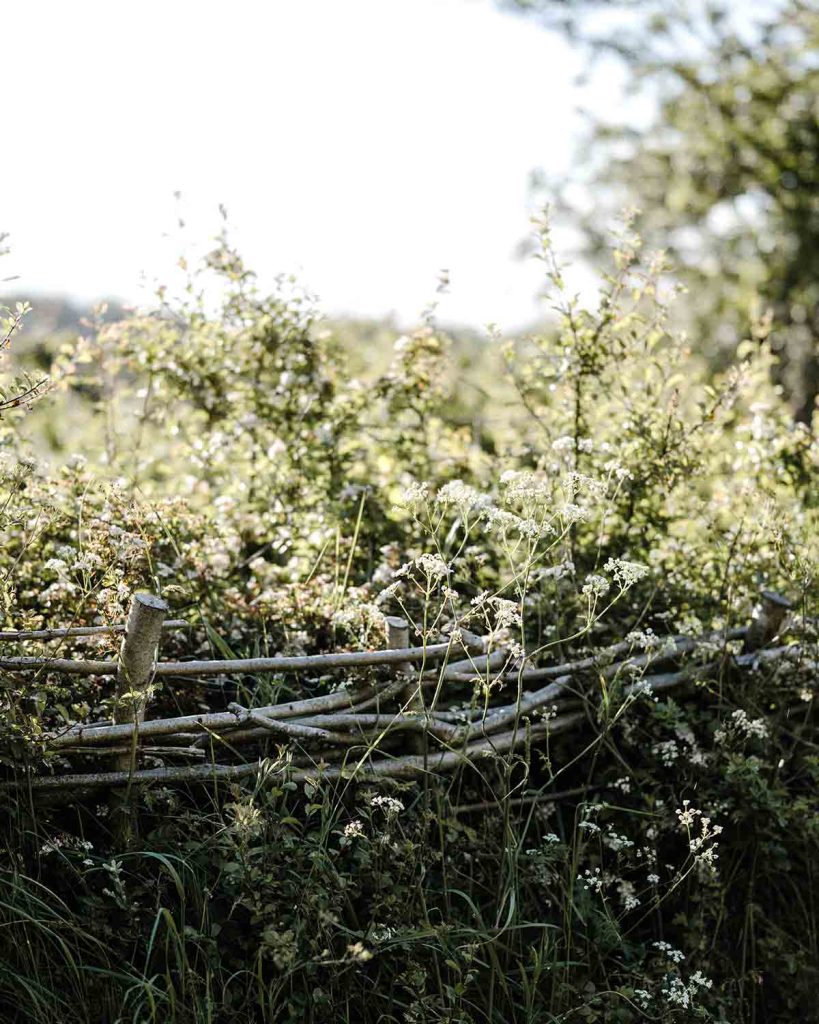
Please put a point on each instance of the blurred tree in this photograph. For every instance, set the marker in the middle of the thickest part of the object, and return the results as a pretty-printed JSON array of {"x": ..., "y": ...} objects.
[{"x": 725, "y": 168}]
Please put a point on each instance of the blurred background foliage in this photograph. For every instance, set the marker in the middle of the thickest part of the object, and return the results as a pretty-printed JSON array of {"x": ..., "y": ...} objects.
[{"x": 724, "y": 165}]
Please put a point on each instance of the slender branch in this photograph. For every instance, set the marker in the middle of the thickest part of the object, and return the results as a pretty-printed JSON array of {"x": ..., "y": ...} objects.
[
  {"x": 350, "y": 659},
  {"x": 399, "y": 767},
  {"x": 69, "y": 666},
  {"x": 224, "y": 722},
  {"x": 682, "y": 645},
  {"x": 218, "y": 720},
  {"x": 346, "y": 729},
  {"x": 76, "y": 631},
  {"x": 291, "y": 730}
]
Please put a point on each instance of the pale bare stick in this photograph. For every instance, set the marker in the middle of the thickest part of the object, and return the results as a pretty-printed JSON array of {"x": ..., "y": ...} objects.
[
  {"x": 405, "y": 766},
  {"x": 412, "y": 695},
  {"x": 220, "y": 720},
  {"x": 137, "y": 658},
  {"x": 289, "y": 730},
  {"x": 77, "y": 631},
  {"x": 324, "y": 662}
]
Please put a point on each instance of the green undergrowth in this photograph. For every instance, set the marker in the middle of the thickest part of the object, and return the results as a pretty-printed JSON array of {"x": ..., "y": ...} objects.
[{"x": 556, "y": 493}]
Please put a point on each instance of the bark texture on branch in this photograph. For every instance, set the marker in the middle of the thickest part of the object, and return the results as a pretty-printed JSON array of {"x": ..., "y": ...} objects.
[
  {"x": 387, "y": 729},
  {"x": 228, "y": 666},
  {"x": 412, "y": 695},
  {"x": 406, "y": 766},
  {"x": 71, "y": 632},
  {"x": 768, "y": 620},
  {"x": 137, "y": 656}
]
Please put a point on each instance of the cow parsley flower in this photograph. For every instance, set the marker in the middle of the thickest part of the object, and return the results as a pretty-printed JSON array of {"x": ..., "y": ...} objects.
[
  {"x": 389, "y": 804},
  {"x": 415, "y": 497},
  {"x": 460, "y": 495},
  {"x": 674, "y": 955},
  {"x": 626, "y": 573},
  {"x": 595, "y": 587},
  {"x": 592, "y": 880},
  {"x": 687, "y": 815},
  {"x": 571, "y": 513}
]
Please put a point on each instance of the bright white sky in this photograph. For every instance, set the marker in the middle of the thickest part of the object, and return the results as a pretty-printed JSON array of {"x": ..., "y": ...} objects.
[{"x": 362, "y": 144}]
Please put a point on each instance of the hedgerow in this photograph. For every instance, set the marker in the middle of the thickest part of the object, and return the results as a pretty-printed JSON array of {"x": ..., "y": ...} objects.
[{"x": 563, "y": 491}]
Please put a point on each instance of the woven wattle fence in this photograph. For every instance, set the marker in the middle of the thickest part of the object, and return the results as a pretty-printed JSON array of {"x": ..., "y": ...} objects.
[{"x": 418, "y": 720}]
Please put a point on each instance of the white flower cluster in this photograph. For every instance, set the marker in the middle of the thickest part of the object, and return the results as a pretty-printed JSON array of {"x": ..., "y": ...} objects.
[
  {"x": 527, "y": 488},
  {"x": 595, "y": 587},
  {"x": 563, "y": 444},
  {"x": 643, "y": 998},
  {"x": 626, "y": 573},
  {"x": 703, "y": 854},
  {"x": 625, "y": 891},
  {"x": 674, "y": 955},
  {"x": 576, "y": 483},
  {"x": 617, "y": 842},
  {"x": 506, "y": 614},
  {"x": 382, "y": 933},
  {"x": 503, "y": 522},
  {"x": 646, "y": 640},
  {"x": 65, "y": 842},
  {"x": 668, "y": 752},
  {"x": 592, "y": 880},
  {"x": 572, "y": 513},
  {"x": 354, "y": 829},
  {"x": 687, "y": 815},
  {"x": 389, "y": 804},
  {"x": 414, "y": 497},
  {"x": 460, "y": 495},
  {"x": 743, "y": 726},
  {"x": 678, "y": 993},
  {"x": 557, "y": 572},
  {"x": 431, "y": 565},
  {"x": 616, "y": 469}
]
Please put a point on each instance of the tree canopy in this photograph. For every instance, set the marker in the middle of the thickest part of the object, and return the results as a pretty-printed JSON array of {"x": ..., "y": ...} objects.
[{"x": 726, "y": 172}]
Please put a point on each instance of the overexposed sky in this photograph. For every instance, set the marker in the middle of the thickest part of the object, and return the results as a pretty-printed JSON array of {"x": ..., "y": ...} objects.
[{"x": 362, "y": 144}]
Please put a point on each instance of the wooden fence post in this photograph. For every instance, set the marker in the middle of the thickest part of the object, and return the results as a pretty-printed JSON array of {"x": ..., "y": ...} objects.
[
  {"x": 398, "y": 637},
  {"x": 767, "y": 621},
  {"x": 137, "y": 659},
  {"x": 137, "y": 656}
]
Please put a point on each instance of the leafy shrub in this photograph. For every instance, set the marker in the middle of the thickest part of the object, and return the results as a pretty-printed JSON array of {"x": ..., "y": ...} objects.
[{"x": 656, "y": 864}]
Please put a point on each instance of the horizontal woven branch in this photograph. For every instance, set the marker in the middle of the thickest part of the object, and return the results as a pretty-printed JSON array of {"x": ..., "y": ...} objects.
[
  {"x": 356, "y": 730},
  {"x": 13, "y": 635},
  {"x": 229, "y": 666},
  {"x": 405, "y": 766},
  {"x": 345, "y": 699}
]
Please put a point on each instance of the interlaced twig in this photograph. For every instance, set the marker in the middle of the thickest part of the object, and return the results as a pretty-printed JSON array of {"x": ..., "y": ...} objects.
[{"x": 326, "y": 729}]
